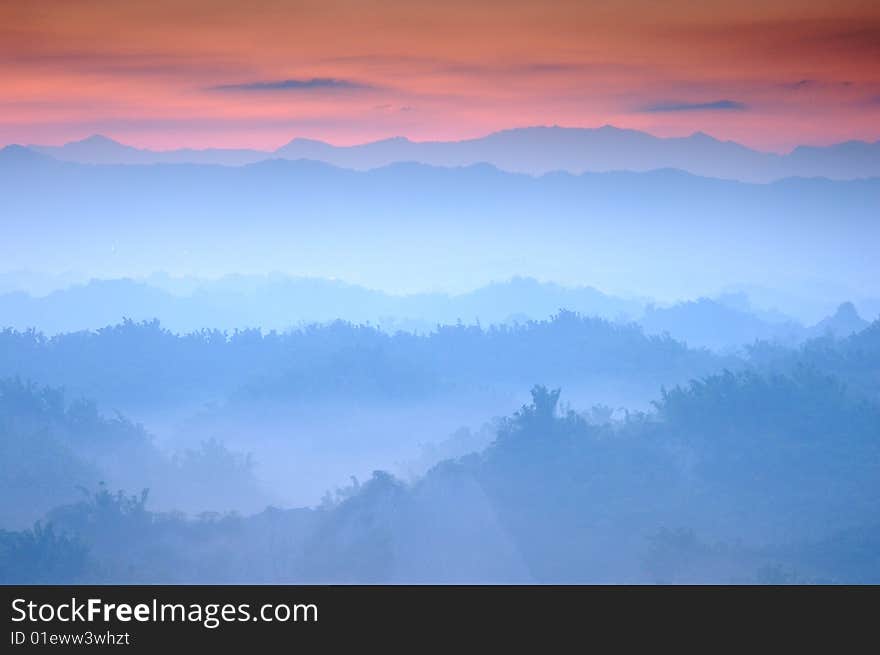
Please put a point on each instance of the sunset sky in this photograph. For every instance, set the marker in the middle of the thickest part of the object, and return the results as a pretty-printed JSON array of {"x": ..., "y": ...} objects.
[{"x": 174, "y": 73}]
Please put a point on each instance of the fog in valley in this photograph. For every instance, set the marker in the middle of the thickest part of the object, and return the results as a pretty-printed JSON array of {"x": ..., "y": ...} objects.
[{"x": 441, "y": 366}]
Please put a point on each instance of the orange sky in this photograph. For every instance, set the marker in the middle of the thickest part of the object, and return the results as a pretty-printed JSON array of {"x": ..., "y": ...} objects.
[{"x": 172, "y": 73}]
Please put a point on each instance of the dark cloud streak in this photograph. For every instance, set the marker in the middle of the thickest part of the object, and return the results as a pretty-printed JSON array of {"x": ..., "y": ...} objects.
[
  {"x": 717, "y": 105},
  {"x": 312, "y": 84},
  {"x": 128, "y": 64}
]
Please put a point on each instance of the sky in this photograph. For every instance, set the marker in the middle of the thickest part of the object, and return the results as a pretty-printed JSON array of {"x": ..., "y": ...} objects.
[{"x": 216, "y": 73}]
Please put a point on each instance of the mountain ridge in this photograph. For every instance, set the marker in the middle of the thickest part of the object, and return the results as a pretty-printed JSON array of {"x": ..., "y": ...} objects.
[
  {"x": 280, "y": 302},
  {"x": 533, "y": 150},
  {"x": 409, "y": 226}
]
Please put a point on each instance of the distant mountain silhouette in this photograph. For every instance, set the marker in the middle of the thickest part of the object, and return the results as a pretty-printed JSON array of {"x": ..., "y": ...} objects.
[
  {"x": 410, "y": 226},
  {"x": 99, "y": 149},
  {"x": 843, "y": 323},
  {"x": 711, "y": 324},
  {"x": 280, "y": 302},
  {"x": 533, "y": 150},
  {"x": 96, "y": 149},
  {"x": 15, "y": 155}
]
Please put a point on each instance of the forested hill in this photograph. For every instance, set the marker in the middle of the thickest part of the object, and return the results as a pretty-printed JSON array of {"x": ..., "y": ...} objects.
[
  {"x": 763, "y": 472},
  {"x": 145, "y": 363},
  {"x": 696, "y": 491},
  {"x": 855, "y": 360},
  {"x": 700, "y": 490}
]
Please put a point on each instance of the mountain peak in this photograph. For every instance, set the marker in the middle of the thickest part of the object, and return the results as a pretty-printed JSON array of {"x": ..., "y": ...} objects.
[
  {"x": 393, "y": 139},
  {"x": 96, "y": 144},
  {"x": 96, "y": 139},
  {"x": 299, "y": 143},
  {"x": 303, "y": 139},
  {"x": 14, "y": 149},
  {"x": 847, "y": 311},
  {"x": 699, "y": 135},
  {"x": 844, "y": 322},
  {"x": 18, "y": 153}
]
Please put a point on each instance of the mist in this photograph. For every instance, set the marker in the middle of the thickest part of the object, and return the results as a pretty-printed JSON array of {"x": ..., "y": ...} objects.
[{"x": 438, "y": 371}]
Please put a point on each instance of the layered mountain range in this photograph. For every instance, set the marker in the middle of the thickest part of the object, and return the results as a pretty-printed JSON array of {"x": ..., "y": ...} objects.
[
  {"x": 410, "y": 227},
  {"x": 533, "y": 150}
]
